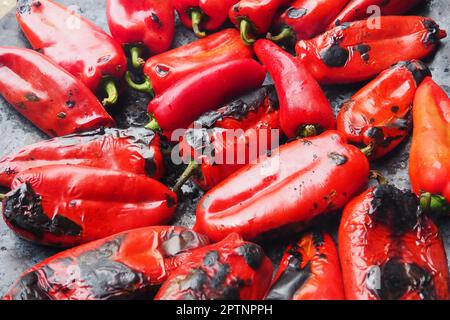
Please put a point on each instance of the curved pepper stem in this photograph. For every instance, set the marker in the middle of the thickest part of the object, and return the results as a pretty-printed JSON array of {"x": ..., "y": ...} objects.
[
  {"x": 112, "y": 94},
  {"x": 430, "y": 203},
  {"x": 153, "y": 125},
  {"x": 145, "y": 87},
  {"x": 309, "y": 130},
  {"x": 368, "y": 150},
  {"x": 196, "y": 17},
  {"x": 136, "y": 61},
  {"x": 286, "y": 33},
  {"x": 190, "y": 170},
  {"x": 245, "y": 28},
  {"x": 2, "y": 196},
  {"x": 376, "y": 175}
]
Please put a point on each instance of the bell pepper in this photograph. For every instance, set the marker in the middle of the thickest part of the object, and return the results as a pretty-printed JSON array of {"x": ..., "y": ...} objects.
[
  {"x": 378, "y": 117},
  {"x": 304, "y": 108},
  {"x": 163, "y": 70},
  {"x": 128, "y": 265},
  {"x": 356, "y": 51},
  {"x": 390, "y": 250},
  {"x": 200, "y": 15},
  {"x": 309, "y": 270},
  {"x": 229, "y": 270},
  {"x": 75, "y": 43},
  {"x": 141, "y": 26},
  {"x": 285, "y": 190},
  {"x": 47, "y": 95},
  {"x": 64, "y": 205},
  {"x": 135, "y": 150}
]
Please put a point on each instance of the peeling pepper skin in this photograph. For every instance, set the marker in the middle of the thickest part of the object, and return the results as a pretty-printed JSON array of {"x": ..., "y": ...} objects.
[
  {"x": 228, "y": 270},
  {"x": 135, "y": 150},
  {"x": 278, "y": 194},
  {"x": 128, "y": 265},
  {"x": 47, "y": 95},
  {"x": 356, "y": 51},
  {"x": 378, "y": 117},
  {"x": 309, "y": 270},
  {"x": 390, "y": 250},
  {"x": 64, "y": 206}
]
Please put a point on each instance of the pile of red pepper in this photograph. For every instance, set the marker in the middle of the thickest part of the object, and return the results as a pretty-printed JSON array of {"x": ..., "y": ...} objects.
[{"x": 103, "y": 192}]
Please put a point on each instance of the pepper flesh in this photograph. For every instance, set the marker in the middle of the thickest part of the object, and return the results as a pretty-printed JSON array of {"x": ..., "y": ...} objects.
[
  {"x": 47, "y": 95},
  {"x": 284, "y": 191},
  {"x": 228, "y": 270},
  {"x": 129, "y": 265},
  {"x": 64, "y": 206},
  {"x": 357, "y": 51}
]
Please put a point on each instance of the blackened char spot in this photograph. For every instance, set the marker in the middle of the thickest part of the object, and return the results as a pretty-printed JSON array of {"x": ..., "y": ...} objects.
[
  {"x": 252, "y": 254},
  {"x": 29, "y": 288},
  {"x": 290, "y": 281},
  {"x": 24, "y": 6},
  {"x": 318, "y": 238},
  {"x": 338, "y": 159},
  {"x": 363, "y": 50},
  {"x": 296, "y": 13},
  {"x": 335, "y": 55},
  {"x": 211, "y": 258},
  {"x": 417, "y": 68},
  {"x": 432, "y": 37}
]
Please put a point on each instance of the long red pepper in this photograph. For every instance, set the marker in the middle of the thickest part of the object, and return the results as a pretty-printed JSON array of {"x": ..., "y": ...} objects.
[
  {"x": 358, "y": 51},
  {"x": 75, "y": 43},
  {"x": 229, "y": 270},
  {"x": 304, "y": 108},
  {"x": 285, "y": 190},
  {"x": 63, "y": 205},
  {"x": 128, "y": 265},
  {"x": 47, "y": 95}
]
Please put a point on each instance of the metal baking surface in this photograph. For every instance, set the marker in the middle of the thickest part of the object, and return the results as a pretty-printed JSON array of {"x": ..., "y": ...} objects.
[{"x": 17, "y": 255}]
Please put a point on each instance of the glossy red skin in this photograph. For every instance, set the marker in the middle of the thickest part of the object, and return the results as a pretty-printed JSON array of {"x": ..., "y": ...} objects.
[
  {"x": 149, "y": 255},
  {"x": 99, "y": 202},
  {"x": 315, "y": 259},
  {"x": 47, "y": 95},
  {"x": 148, "y": 22},
  {"x": 167, "y": 68},
  {"x": 364, "y": 242},
  {"x": 429, "y": 168},
  {"x": 203, "y": 91},
  {"x": 399, "y": 39},
  {"x": 302, "y": 101},
  {"x": 86, "y": 51},
  {"x": 247, "y": 273},
  {"x": 114, "y": 149},
  {"x": 283, "y": 192}
]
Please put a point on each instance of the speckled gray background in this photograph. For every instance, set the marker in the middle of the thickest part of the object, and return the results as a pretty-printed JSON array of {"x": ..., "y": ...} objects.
[{"x": 17, "y": 255}]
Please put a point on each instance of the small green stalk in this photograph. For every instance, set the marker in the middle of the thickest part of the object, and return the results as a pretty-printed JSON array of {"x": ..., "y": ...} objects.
[
  {"x": 309, "y": 130},
  {"x": 245, "y": 28},
  {"x": 196, "y": 17},
  {"x": 145, "y": 87},
  {"x": 192, "y": 169},
  {"x": 136, "y": 61},
  {"x": 286, "y": 33},
  {"x": 153, "y": 125},
  {"x": 112, "y": 94}
]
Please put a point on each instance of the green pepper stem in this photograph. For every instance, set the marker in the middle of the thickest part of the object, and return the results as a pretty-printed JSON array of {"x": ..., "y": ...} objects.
[
  {"x": 196, "y": 17},
  {"x": 309, "y": 130},
  {"x": 245, "y": 28},
  {"x": 2, "y": 196},
  {"x": 430, "y": 203},
  {"x": 153, "y": 125},
  {"x": 368, "y": 150},
  {"x": 145, "y": 87},
  {"x": 285, "y": 33},
  {"x": 136, "y": 61},
  {"x": 376, "y": 175},
  {"x": 112, "y": 94},
  {"x": 190, "y": 170}
]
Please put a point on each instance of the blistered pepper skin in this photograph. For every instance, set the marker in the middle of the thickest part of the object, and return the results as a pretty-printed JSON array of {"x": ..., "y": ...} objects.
[
  {"x": 128, "y": 265},
  {"x": 64, "y": 206},
  {"x": 390, "y": 250},
  {"x": 229, "y": 270}
]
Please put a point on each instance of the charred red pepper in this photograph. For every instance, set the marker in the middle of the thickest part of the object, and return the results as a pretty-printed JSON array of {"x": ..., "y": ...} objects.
[
  {"x": 309, "y": 270},
  {"x": 304, "y": 108},
  {"x": 64, "y": 205},
  {"x": 285, "y": 190},
  {"x": 390, "y": 250},
  {"x": 128, "y": 265},
  {"x": 147, "y": 25},
  {"x": 378, "y": 117},
  {"x": 47, "y": 95},
  {"x": 229, "y": 270},
  {"x": 75, "y": 43},
  {"x": 357, "y": 51},
  {"x": 135, "y": 150}
]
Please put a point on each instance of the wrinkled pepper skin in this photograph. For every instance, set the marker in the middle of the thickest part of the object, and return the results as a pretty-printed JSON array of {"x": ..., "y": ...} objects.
[
  {"x": 128, "y": 265},
  {"x": 309, "y": 270},
  {"x": 47, "y": 95},
  {"x": 356, "y": 51},
  {"x": 390, "y": 250},
  {"x": 302, "y": 102},
  {"x": 135, "y": 150},
  {"x": 284, "y": 191},
  {"x": 64, "y": 205},
  {"x": 378, "y": 117},
  {"x": 229, "y": 270}
]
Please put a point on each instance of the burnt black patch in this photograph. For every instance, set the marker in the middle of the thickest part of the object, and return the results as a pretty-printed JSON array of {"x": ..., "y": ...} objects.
[
  {"x": 156, "y": 19},
  {"x": 28, "y": 288},
  {"x": 377, "y": 135},
  {"x": 395, "y": 109},
  {"x": 335, "y": 56},
  {"x": 181, "y": 242},
  {"x": 170, "y": 201},
  {"x": 24, "y": 6},
  {"x": 252, "y": 254},
  {"x": 318, "y": 239},
  {"x": 417, "y": 68},
  {"x": 363, "y": 50},
  {"x": 211, "y": 259},
  {"x": 296, "y": 13},
  {"x": 70, "y": 103},
  {"x": 31, "y": 97},
  {"x": 432, "y": 36},
  {"x": 338, "y": 159}
]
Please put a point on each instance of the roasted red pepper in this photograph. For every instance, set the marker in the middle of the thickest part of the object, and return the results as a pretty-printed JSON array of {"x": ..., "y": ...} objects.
[
  {"x": 309, "y": 270},
  {"x": 304, "y": 108},
  {"x": 75, "y": 43},
  {"x": 47, "y": 95},
  {"x": 357, "y": 51},
  {"x": 228, "y": 270},
  {"x": 390, "y": 250},
  {"x": 378, "y": 117},
  {"x": 64, "y": 205},
  {"x": 147, "y": 25},
  {"x": 128, "y": 265},
  {"x": 285, "y": 190},
  {"x": 135, "y": 150},
  {"x": 163, "y": 70},
  {"x": 200, "y": 15}
]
